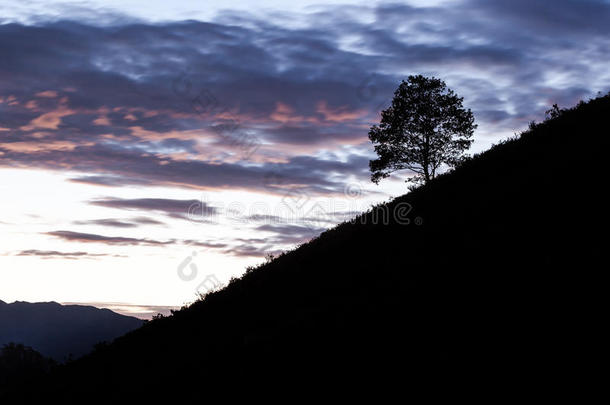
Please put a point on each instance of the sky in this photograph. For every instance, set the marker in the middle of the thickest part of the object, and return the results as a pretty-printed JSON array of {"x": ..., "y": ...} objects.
[{"x": 150, "y": 151}]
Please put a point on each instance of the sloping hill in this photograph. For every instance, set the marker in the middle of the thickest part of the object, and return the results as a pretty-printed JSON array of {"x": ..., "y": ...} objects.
[
  {"x": 488, "y": 291},
  {"x": 60, "y": 331}
]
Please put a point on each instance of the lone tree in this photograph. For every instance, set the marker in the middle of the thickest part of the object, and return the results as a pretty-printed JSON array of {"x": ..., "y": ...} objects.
[{"x": 425, "y": 127}]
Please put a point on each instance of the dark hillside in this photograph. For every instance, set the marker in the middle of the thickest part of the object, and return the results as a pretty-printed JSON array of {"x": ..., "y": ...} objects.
[
  {"x": 491, "y": 290},
  {"x": 19, "y": 363}
]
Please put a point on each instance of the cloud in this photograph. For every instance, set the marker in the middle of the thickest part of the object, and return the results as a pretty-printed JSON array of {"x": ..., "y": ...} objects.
[
  {"x": 109, "y": 222},
  {"x": 188, "y": 108},
  {"x": 574, "y": 17},
  {"x": 111, "y": 181},
  {"x": 183, "y": 209},
  {"x": 279, "y": 236},
  {"x": 120, "y": 223},
  {"x": 290, "y": 233},
  {"x": 253, "y": 251},
  {"x": 282, "y": 237},
  {"x": 146, "y": 221},
  {"x": 204, "y": 244},
  {"x": 108, "y": 240},
  {"x": 241, "y": 248},
  {"x": 52, "y": 254}
]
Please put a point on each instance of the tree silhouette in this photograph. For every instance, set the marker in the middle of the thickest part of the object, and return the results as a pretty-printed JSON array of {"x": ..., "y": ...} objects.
[
  {"x": 19, "y": 363},
  {"x": 425, "y": 127}
]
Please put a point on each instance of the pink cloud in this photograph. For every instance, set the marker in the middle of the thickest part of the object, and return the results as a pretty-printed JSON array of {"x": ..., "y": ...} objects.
[
  {"x": 286, "y": 115},
  {"x": 30, "y": 147},
  {"x": 47, "y": 94},
  {"x": 51, "y": 119},
  {"x": 341, "y": 114},
  {"x": 103, "y": 120}
]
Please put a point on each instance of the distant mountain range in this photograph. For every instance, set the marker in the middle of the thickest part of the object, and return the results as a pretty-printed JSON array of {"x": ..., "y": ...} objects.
[{"x": 60, "y": 331}]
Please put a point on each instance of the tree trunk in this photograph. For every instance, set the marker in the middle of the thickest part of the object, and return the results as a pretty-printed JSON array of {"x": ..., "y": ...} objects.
[{"x": 426, "y": 159}]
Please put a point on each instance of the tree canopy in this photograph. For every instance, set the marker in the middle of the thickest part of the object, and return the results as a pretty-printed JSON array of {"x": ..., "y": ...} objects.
[{"x": 425, "y": 127}]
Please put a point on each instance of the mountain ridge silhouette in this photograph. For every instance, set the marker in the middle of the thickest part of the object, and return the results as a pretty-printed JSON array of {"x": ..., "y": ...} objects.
[{"x": 61, "y": 331}]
